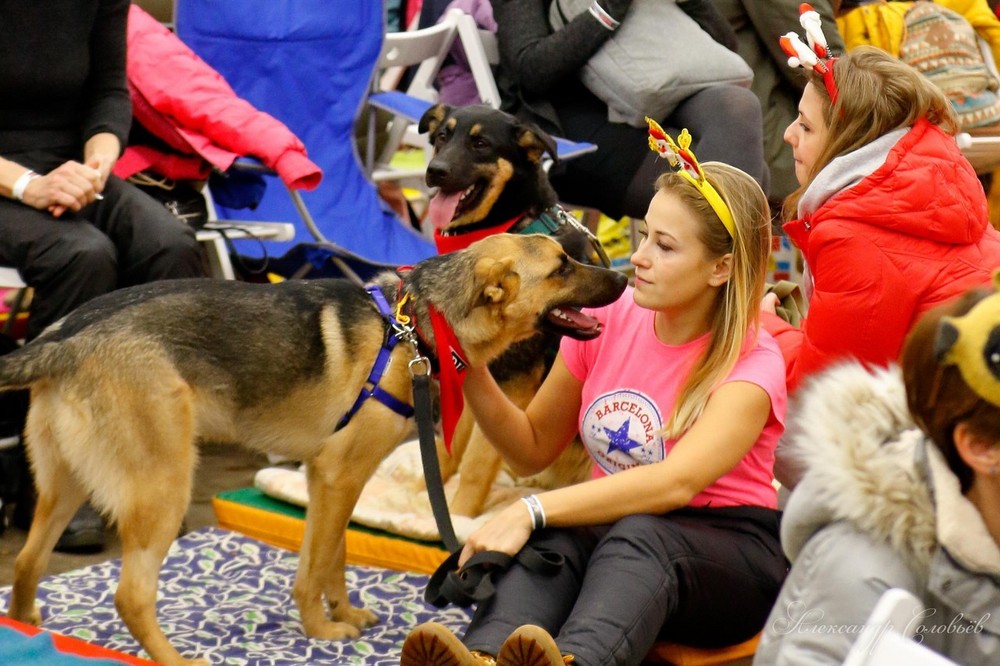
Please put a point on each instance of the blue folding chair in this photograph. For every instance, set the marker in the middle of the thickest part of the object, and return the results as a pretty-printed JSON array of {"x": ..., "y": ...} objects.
[{"x": 309, "y": 63}]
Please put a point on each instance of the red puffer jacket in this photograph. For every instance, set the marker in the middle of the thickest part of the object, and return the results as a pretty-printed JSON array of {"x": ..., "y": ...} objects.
[
  {"x": 187, "y": 104},
  {"x": 912, "y": 234}
]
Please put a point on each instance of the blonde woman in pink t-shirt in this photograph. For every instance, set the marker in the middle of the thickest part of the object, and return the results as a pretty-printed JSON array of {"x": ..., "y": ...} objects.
[{"x": 680, "y": 402}]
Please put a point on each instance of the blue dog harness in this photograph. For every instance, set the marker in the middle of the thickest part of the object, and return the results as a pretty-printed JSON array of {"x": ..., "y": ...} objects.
[{"x": 389, "y": 343}]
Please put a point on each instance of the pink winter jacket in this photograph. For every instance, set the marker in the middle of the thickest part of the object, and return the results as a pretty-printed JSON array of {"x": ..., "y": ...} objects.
[
  {"x": 912, "y": 233},
  {"x": 183, "y": 101}
]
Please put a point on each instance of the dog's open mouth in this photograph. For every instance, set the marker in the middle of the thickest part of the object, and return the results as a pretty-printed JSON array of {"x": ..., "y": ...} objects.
[
  {"x": 567, "y": 320},
  {"x": 444, "y": 207}
]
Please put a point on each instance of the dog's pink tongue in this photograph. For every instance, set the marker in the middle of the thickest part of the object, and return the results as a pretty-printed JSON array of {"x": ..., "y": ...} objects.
[{"x": 441, "y": 209}]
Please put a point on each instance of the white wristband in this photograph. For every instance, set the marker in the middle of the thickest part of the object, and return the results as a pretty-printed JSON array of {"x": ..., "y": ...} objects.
[
  {"x": 536, "y": 512},
  {"x": 604, "y": 18},
  {"x": 21, "y": 184}
]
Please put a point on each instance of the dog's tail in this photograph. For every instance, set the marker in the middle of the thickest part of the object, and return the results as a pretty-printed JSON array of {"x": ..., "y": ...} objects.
[{"x": 22, "y": 368}]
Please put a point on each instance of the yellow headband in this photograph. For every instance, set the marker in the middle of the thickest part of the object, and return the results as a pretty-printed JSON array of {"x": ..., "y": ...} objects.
[{"x": 683, "y": 160}]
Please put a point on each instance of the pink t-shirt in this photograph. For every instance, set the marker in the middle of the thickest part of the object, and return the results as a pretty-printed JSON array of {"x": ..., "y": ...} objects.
[{"x": 630, "y": 382}]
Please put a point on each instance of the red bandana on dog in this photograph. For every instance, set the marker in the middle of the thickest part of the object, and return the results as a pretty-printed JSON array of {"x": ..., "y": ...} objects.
[
  {"x": 452, "y": 365},
  {"x": 461, "y": 241}
]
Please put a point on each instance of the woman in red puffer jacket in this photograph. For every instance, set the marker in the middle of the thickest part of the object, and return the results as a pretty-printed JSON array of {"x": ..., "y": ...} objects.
[{"x": 890, "y": 217}]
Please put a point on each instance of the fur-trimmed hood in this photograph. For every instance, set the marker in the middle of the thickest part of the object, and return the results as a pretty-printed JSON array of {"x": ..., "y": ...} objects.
[
  {"x": 854, "y": 436},
  {"x": 876, "y": 507},
  {"x": 865, "y": 462}
]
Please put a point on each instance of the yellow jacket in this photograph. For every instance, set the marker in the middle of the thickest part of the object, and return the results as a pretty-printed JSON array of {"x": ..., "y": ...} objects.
[{"x": 881, "y": 24}]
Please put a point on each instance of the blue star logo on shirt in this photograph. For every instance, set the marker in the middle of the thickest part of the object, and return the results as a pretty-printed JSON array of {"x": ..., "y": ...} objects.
[{"x": 619, "y": 440}]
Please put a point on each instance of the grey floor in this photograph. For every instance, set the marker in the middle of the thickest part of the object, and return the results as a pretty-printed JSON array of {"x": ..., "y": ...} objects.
[{"x": 222, "y": 467}]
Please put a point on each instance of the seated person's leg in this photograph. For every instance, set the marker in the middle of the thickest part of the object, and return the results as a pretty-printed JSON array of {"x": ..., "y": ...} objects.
[
  {"x": 151, "y": 243},
  {"x": 67, "y": 261},
  {"x": 727, "y": 126},
  {"x": 600, "y": 179}
]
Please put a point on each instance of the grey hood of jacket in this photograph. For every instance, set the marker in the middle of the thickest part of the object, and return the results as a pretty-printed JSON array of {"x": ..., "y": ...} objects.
[{"x": 877, "y": 501}]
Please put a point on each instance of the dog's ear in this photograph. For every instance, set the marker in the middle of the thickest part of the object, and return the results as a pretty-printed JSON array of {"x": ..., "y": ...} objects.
[
  {"x": 534, "y": 142},
  {"x": 432, "y": 118},
  {"x": 496, "y": 280}
]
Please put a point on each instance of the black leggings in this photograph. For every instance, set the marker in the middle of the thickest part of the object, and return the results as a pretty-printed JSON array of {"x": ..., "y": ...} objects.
[{"x": 702, "y": 577}]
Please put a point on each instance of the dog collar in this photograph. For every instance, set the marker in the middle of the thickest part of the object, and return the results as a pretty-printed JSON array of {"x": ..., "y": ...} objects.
[
  {"x": 451, "y": 242},
  {"x": 448, "y": 362},
  {"x": 548, "y": 223},
  {"x": 389, "y": 342},
  {"x": 556, "y": 217}
]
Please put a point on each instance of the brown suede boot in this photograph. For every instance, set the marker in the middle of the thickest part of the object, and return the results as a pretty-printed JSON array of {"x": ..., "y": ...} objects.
[
  {"x": 530, "y": 645},
  {"x": 433, "y": 644}
]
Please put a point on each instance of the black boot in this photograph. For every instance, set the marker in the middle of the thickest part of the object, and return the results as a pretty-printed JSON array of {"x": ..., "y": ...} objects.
[{"x": 84, "y": 534}]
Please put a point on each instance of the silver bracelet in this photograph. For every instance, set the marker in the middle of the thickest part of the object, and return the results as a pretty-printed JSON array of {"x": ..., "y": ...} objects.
[
  {"x": 536, "y": 511},
  {"x": 21, "y": 184},
  {"x": 603, "y": 17}
]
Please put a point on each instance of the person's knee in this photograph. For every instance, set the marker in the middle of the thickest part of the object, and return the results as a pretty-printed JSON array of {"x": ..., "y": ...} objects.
[
  {"x": 181, "y": 245},
  {"x": 177, "y": 255},
  {"x": 739, "y": 106},
  {"x": 638, "y": 532},
  {"x": 88, "y": 256}
]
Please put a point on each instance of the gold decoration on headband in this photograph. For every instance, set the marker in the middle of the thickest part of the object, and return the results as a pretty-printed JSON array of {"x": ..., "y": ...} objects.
[
  {"x": 972, "y": 343},
  {"x": 681, "y": 158}
]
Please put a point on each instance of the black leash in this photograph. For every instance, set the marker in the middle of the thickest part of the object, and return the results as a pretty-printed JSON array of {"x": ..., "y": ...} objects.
[
  {"x": 474, "y": 581},
  {"x": 424, "y": 414},
  {"x": 423, "y": 411}
]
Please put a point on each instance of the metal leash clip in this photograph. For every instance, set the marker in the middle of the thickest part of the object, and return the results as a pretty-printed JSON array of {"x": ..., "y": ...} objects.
[
  {"x": 406, "y": 333},
  {"x": 566, "y": 218}
]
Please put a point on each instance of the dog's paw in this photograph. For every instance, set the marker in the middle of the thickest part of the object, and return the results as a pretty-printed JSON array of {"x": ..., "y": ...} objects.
[
  {"x": 32, "y": 616},
  {"x": 331, "y": 631},
  {"x": 362, "y": 618}
]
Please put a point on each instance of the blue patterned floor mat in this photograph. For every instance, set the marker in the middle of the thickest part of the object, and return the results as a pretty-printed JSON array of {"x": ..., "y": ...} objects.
[{"x": 228, "y": 598}]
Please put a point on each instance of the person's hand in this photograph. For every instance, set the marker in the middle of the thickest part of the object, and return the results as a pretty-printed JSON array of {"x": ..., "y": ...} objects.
[
  {"x": 507, "y": 533},
  {"x": 70, "y": 186},
  {"x": 102, "y": 163},
  {"x": 615, "y": 8},
  {"x": 769, "y": 303}
]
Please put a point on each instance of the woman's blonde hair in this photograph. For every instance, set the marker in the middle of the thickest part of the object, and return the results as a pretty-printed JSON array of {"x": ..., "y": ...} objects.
[
  {"x": 876, "y": 94},
  {"x": 738, "y": 302}
]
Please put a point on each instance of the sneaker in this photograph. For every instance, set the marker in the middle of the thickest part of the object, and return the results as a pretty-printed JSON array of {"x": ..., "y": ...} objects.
[
  {"x": 530, "y": 645},
  {"x": 84, "y": 534},
  {"x": 433, "y": 644}
]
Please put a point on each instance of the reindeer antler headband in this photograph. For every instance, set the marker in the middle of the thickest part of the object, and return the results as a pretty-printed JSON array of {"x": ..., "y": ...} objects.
[
  {"x": 816, "y": 56},
  {"x": 681, "y": 158}
]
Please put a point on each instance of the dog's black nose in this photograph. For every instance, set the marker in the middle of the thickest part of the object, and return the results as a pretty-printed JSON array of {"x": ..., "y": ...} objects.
[{"x": 436, "y": 173}]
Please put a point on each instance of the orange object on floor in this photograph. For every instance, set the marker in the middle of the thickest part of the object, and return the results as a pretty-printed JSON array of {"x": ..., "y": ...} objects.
[
  {"x": 74, "y": 646},
  {"x": 278, "y": 523},
  {"x": 685, "y": 655}
]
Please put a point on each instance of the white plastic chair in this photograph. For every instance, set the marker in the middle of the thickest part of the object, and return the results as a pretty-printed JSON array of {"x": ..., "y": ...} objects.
[
  {"x": 887, "y": 636},
  {"x": 427, "y": 48}
]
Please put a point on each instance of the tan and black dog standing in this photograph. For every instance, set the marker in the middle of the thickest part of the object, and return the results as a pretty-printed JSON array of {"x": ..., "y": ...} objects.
[{"x": 123, "y": 389}]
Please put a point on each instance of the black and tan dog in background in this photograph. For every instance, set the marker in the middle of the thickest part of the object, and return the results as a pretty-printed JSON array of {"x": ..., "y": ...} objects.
[
  {"x": 488, "y": 170},
  {"x": 123, "y": 389}
]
